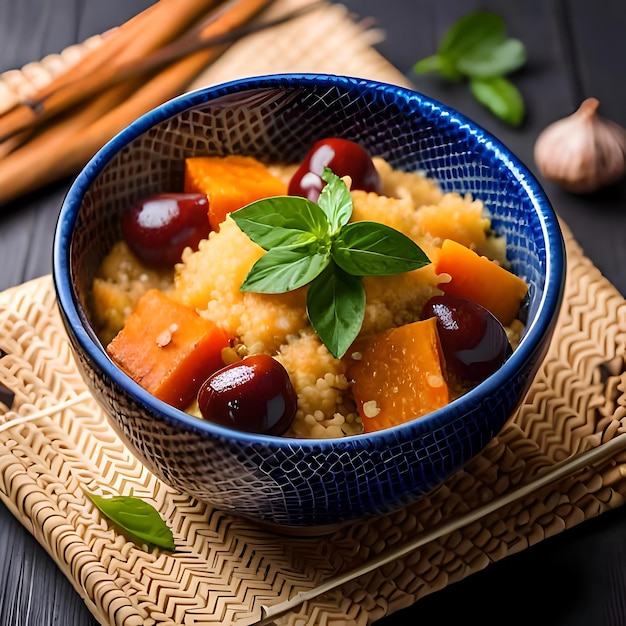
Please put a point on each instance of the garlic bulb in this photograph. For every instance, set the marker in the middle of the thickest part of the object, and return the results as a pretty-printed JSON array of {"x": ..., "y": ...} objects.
[{"x": 582, "y": 152}]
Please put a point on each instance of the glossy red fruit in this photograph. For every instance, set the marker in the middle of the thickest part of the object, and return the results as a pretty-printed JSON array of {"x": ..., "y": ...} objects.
[
  {"x": 344, "y": 158},
  {"x": 254, "y": 395},
  {"x": 473, "y": 340},
  {"x": 158, "y": 228}
]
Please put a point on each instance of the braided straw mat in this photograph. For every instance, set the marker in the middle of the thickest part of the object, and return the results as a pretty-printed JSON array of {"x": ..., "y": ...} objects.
[{"x": 560, "y": 460}]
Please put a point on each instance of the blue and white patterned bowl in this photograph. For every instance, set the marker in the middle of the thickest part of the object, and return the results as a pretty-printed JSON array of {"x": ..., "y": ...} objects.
[{"x": 294, "y": 482}]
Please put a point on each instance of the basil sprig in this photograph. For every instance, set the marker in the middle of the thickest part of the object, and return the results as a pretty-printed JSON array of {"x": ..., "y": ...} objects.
[
  {"x": 308, "y": 242},
  {"x": 137, "y": 518},
  {"x": 476, "y": 47}
]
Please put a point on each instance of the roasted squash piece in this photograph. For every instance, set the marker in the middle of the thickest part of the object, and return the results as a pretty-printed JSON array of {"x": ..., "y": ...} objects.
[
  {"x": 168, "y": 348},
  {"x": 230, "y": 182},
  {"x": 481, "y": 280},
  {"x": 399, "y": 376}
]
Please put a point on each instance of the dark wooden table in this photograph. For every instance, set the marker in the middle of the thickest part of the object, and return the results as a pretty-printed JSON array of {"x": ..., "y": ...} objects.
[{"x": 576, "y": 49}]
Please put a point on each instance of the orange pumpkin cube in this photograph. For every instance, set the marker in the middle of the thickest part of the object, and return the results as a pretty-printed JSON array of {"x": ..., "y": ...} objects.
[
  {"x": 168, "y": 348},
  {"x": 399, "y": 376},
  {"x": 230, "y": 182},
  {"x": 480, "y": 280}
]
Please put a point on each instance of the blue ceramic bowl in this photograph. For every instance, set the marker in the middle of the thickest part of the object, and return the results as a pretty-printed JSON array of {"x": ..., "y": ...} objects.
[{"x": 293, "y": 482}]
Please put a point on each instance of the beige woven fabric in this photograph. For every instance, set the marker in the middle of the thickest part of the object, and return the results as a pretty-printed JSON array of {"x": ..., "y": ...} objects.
[
  {"x": 559, "y": 461},
  {"x": 533, "y": 481}
]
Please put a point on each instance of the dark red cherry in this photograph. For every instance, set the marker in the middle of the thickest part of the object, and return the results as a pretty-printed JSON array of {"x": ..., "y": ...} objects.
[
  {"x": 158, "y": 228},
  {"x": 344, "y": 158},
  {"x": 473, "y": 340},
  {"x": 254, "y": 395}
]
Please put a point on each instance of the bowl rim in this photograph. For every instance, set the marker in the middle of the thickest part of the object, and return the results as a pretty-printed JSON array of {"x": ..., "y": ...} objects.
[{"x": 530, "y": 345}]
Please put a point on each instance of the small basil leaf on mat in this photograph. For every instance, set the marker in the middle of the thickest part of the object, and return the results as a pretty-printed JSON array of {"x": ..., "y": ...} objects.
[{"x": 139, "y": 519}]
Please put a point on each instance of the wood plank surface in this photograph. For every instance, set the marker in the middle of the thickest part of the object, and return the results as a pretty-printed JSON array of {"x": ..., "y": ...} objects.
[{"x": 576, "y": 49}]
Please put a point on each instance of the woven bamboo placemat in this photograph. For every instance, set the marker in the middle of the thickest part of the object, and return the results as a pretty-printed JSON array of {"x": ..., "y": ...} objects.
[{"x": 559, "y": 461}]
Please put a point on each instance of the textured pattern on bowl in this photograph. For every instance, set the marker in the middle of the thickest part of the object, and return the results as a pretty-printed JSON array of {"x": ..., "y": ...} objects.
[{"x": 276, "y": 118}]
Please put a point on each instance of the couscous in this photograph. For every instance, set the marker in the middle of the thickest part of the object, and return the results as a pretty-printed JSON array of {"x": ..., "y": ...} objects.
[{"x": 208, "y": 281}]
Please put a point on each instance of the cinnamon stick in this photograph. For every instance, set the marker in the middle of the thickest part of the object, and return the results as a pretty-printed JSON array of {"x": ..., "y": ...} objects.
[
  {"x": 154, "y": 27},
  {"x": 62, "y": 149},
  {"x": 13, "y": 142}
]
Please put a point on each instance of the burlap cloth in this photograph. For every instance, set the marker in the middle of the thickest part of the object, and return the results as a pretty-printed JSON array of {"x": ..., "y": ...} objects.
[{"x": 559, "y": 461}]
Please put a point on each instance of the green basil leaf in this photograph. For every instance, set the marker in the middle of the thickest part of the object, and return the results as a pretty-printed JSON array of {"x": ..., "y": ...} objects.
[
  {"x": 137, "y": 518},
  {"x": 428, "y": 64},
  {"x": 471, "y": 31},
  {"x": 439, "y": 63},
  {"x": 282, "y": 221},
  {"x": 285, "y": 269},
  {"x": 302, "y": 238},
  {"x": 373, "y": 249},
  {"x": 336, "y": 307},
  {"x": 487, "y": 61},
  {"x": 501, "y": 97},
  {"x": 335, "y": 200},
  {"x": 476, "y": 47}
]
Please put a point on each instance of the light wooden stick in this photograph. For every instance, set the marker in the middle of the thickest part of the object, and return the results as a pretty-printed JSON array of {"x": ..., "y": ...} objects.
[{"x": 62, "y": 149}]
